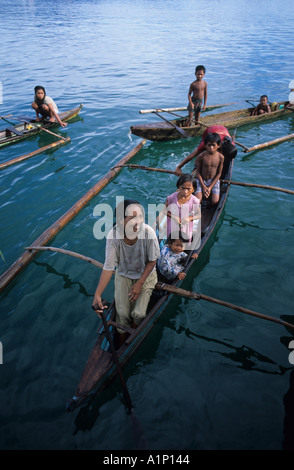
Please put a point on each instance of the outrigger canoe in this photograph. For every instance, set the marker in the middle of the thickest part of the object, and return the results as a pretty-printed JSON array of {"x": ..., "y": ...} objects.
[
  {"x": 100, "y": 367},
  {"x": 29, "y": 127},
  {"x": 167, "y": 130}
]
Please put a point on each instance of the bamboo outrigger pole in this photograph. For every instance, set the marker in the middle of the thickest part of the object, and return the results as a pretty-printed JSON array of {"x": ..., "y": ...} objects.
[
  {"x": 269, "y": 143},
  {"x": 62, "y": 141},
  {"x": 168, "y": 110},
  {"x": 50, "y": 233},
  {"x": 161, "y": 286},
  {"x": 143, "y": 167},
  {"x": 196, "y": 296},
  {"x": 262, "y": 186}
]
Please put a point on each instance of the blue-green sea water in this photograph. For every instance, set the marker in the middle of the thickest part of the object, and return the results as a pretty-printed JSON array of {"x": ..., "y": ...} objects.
[{"x": 207, "y": 377}]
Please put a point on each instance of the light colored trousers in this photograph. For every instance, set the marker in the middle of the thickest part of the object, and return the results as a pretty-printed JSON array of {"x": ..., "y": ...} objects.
[{"x": 132, "y": 312}]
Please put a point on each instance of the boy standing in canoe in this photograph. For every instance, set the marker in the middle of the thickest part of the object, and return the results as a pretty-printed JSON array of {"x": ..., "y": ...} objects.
[
  {"x": 197, "y": 91},
  {"x": 209, "y": 165}
]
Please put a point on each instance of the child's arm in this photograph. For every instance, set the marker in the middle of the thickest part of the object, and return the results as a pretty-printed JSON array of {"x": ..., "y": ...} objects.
[
  {"x": 205, "y": 97},
  {"x": 199, "y": 169},
  {"x": 192, "y": 155},
  {"x": 190, "y": 95},
  {"x": 169, "y": 214},
  {"x": 63, "y": 124}
]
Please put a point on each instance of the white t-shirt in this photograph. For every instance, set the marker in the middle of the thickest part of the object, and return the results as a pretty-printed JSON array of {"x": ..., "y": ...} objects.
[
  {"x": 48, "y": 100},
  {"x": 130, "y": 260}
]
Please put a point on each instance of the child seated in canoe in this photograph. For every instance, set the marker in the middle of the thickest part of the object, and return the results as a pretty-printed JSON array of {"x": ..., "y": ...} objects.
[
  {"x": 182, "y": 208},
  {"x": 209, "y": 165},
  {"x": 290, "y": 103},
  {"x": 197, "y": 91},
  {"x": 172, "y": 258},
  {"x": 45, "y": 106},
  {"x": 263, "y": 107}
]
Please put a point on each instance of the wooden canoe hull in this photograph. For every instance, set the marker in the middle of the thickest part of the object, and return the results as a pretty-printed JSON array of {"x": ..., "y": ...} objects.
[
  {"x": 7, "y": 137},
  {"x": 100, "y": 368},
  {"x": 162, "y": 131}
]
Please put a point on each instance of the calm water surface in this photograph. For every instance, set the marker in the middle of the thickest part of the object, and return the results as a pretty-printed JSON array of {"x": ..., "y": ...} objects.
[{"x": 206, "y": 377}]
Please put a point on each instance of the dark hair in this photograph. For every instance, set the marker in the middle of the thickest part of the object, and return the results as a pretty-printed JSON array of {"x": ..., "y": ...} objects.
[
  {"x": 263, "y": 96},
  {"x": 212, "y": 137},
  {"x": 175, "y": 236},
  {"x": 122, "y": 207},
  {"x": 200, "y": 67},
  {"x": 39, "y": 88},
  {"x": 38, "y": 99},
  {"x": 187, "y": 177}
]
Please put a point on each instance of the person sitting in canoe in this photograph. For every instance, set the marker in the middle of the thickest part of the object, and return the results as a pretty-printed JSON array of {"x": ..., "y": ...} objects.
[
  {"x": 172, "y": 257},
  {"x": 45, "y": 106},
  {"x": 263, "y": 107},
  {"x": 290, "y": 102},
  {"x": 209, "y": 165},
  {"x": 197, "y": 91},
  {"x": 132, "y": 250}
]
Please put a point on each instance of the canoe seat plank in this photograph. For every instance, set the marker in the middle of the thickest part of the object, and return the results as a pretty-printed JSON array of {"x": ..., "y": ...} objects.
[
  {"x": 13, "y": 130},
  {"x": 121, "y": 327}
]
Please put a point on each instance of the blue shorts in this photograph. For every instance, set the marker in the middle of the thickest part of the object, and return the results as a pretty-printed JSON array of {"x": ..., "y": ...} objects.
[{"x": 215, "y": 189}]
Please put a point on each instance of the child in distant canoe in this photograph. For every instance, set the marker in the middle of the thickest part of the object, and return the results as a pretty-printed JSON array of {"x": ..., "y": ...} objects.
[
  {"x": 263, "y": 107},
  {"x": 197, "y": 91},
  {"x": 209, "y": 165},
  {"x": 290, "y": 103},
  {"x": 45, "y": 106},
  {"x": 172, "y": 257},
  {"x": 182, "y": 208}
]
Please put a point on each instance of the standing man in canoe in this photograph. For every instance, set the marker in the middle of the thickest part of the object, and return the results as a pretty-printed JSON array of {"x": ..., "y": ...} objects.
[
  {"x": 132, "y": 250},
  {"x": 45, "y": 106},
  {"x": 197, "y": 91}
]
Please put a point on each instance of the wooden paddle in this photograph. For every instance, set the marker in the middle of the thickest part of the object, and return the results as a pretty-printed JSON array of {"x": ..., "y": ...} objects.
[
  {"x": 115, "y": 358},
  {"x": 137, "y": 429},
  {"x": 181, "y": 131},
  {"x": 174, "y": 290},
  {"x": 262, "y": 186}
]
